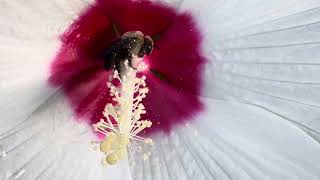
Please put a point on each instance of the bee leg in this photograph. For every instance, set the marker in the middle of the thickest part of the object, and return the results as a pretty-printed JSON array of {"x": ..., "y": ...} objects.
[
  {"x": 130, "y": 64},
  {"x": 110, "y": 56},
  {"x": 159, "y": 75},
  {"x": 117, "y": 66},
  {"x": 108, "y": 64}
]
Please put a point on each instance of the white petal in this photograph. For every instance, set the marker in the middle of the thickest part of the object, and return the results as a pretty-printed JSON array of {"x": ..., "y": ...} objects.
[
  {"x": 50, "y": 144},
  {"x": 29, "y": 41},
  {"x": 37, "y": 20},
  {"x": 264, "y": 53},
  {"x": 38, "y": 135},
  {"x": 232, "y": 141},
  {"x": 263, "y": 67}
]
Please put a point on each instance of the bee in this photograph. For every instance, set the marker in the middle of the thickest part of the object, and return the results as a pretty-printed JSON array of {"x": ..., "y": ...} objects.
[{"x": 131, "y": 44}]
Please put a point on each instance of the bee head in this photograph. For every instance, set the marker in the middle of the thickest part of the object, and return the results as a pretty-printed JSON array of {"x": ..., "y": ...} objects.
[{"x": 146, "y": 47}]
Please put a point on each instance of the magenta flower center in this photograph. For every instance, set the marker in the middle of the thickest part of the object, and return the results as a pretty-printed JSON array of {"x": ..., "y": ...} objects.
[{"x": 174, "y": 69}]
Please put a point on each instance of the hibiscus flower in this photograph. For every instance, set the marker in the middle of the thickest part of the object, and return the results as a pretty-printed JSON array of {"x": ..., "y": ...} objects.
[{"x": 233, "y": 85}]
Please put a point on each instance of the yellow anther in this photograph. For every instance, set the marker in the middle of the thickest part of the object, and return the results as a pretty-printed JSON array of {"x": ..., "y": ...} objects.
[
  {"x": 148, "y": 141},
  {"x": 147, "y": 124},
  {"x": 112, "y": 136},
  {"x": 122, "y": 153},
  {"x": 112, "y": 158},
  {"x": 107, "y": 144},
  {"x": 145, "y": 156},
  {"x": 123, "y": 140}
]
